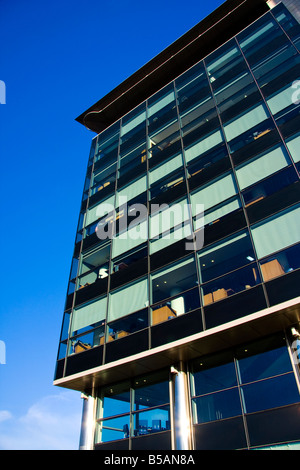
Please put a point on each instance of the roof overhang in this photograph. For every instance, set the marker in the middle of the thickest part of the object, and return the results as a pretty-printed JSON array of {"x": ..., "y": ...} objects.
[
  {"x": 210, "y": 33},
  {"x": 262, "y": 323}
]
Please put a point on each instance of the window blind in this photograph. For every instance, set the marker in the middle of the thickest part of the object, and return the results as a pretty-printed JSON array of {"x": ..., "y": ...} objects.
[
  {"x": 128, "y": 300},
  {"x": 99, "y": 211},
  {"x": 176, "y": 214},
  {"x": 161, "y": 103},
  {"x": 214, "y": 193},
  {"x": 203, "y": 145},
  {"x": 163, "y": 170},
  {"x": 130, "y": 239},
  {"x": 294, "y": 147},
  {"x": 277, "y": 232},
  {"x": 282, "y": 100},
  {"x": 261, "y": 167},
  {"x": 132, "y": 190},
  {"x": 245, "y": 122},
  {"x": 89, "y": 314}
]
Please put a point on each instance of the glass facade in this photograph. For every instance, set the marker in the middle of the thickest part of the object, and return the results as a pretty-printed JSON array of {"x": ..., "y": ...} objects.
[{"x": 213, "y": 156}]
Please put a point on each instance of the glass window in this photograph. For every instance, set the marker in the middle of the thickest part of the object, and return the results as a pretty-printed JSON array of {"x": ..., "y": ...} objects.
[
  {"x": 260, "y": 360},
  {"x": 175, "y": 306},
  {"x": 213, "y": 193},
  {"x": 173, "y": 280},
  {"x": 100, "y": 210},
  {"x": 270, "y": 393},
  {"x": 208, "y": 143},
  {"x": 150, "y": 421},
  {"x": 233, "y": 283},
  {"x": 281, "y": 100},
  {"x": 164, "y": 217},
  {"x": 217, "y": 405},
  {"x": 261, "y": 167},
  {"x": 170, "y": 237},
  {"x": 245, "y": 122},
  {"x": 94, "y": 265},
  {"x": 222, "y": 61},
  {"x": 283, "y": 262},
  {"x": 89, "y": 315},
  {"x": 293, "y": 145},
  {"x": 136, "y": 234},
  {"x": 127, "y": 300},
  {"x": 277, "y": 232},
  {"x": 107, "y": 145},
  {"x": 151, "y": 396},
  {"x": 163, "y": 170},
  {"x": 269, "y": 186},
  {"x": 226, "y": 256},
  {"x": 215, "y": 215},
  {"x": 161, "y": 99},
  {"x": 133, "y": 119},
  {"x": 134, "y": 409},
  {"x": 213, "y": 373},
  {"x": 127, "y": 325},
  {"x": 129, "y": 258}
]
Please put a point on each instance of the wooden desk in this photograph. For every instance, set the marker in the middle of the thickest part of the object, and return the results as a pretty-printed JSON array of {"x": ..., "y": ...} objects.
[
  {"x": 162, "y": 314},
  {"x": 271, "y": 269}
]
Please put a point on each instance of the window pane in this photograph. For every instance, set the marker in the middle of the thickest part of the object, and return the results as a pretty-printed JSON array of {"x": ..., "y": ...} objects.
[
  {"x": 149, "y": 394},
  {"x": 294, "y": 147},
  {"x": 237, "y": 281},
  {"x": 226, "y": 256},
  {"x": 261, "y": 167},
  {"x": 151, "y": 421},
  {"x": 277, "y": 232},
  {"x": 270, "y": 393},
  {"x": 174, "y": 280},
  {"x": 214, "y": 193},
  {"x": 264, "y": 364},
  {"x": 246, "y": 121},
  {"x": 219, "y": 405},
  {"x": 281, "y": 100},
  {"x": 281, "y": 263},
  {"x": 269, "y": 186},
  {"x": 211, "y": 374},
  {"x": 115, "y": 400},
  {"x": 178, "y": 305},
  {"x": 208, "y": 143},
  {"x": 114, "y": 429},
  {"x": 89, "y": 314},
  {"x": 127, "y": 325},
  {"x": 128, "y": 299}
]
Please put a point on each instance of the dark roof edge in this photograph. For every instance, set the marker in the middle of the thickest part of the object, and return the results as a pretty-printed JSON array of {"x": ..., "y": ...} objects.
[{"x": 209, "y": 34}]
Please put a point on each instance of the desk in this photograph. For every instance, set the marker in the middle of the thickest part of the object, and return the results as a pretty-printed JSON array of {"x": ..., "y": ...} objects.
[
  {"x": 271, "y": 269},
  {"x": 162, "y": 314}
]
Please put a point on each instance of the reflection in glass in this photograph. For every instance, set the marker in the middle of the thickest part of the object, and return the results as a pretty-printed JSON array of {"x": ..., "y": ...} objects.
[
  {"x": 127, "y": 325},
  {"x": 218, "y": 405},
  {"x": 283, "y": 262},
  {"x": 151, "y": 421},
  {"x": 226, "y": 256},
  {"x": 174, "y": 280},
  {"x": 225, "y": 286},
  {"x": 178, "y": 305}
]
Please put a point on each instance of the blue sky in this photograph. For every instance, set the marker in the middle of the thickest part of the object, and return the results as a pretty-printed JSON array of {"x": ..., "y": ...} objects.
[{"x": 57, "y": 59}]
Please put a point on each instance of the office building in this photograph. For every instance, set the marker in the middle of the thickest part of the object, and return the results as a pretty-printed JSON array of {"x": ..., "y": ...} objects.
[{"x": 181, "y": 324}]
